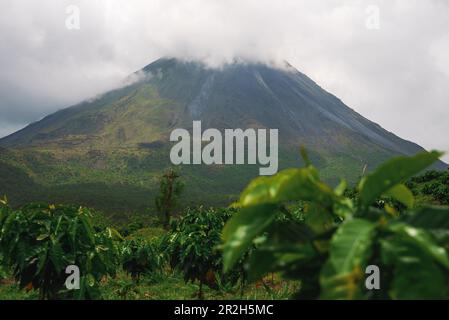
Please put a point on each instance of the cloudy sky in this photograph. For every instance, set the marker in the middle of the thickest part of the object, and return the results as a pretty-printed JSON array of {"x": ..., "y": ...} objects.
[{"x": 387, "y": 59}]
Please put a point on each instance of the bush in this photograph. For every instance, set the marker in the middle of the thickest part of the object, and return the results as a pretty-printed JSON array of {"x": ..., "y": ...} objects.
[
  {"x": 140, "y": 257},
  {"x": 339, "y": 238},
  {"x": 192, "y": 246},
  {"x": 442, "y": 194},
  {"x": 39, "y": 241},
  {"x": 430, "y": 188}
]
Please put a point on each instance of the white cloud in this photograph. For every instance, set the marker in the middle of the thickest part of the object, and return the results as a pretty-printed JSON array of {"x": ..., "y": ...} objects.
[{"x": 397, "y": 76}]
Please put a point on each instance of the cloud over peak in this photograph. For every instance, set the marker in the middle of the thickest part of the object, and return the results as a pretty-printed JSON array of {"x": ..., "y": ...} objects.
[{"x": 395, "y": 73}]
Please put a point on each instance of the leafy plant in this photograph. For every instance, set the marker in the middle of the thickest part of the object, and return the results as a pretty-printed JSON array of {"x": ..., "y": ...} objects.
[
  {"x": 192, "y": 246},
  {"x": 329, "y": 250},
  {"x": 39, "y": 241},
  {"x": 140, "y": 257},
  {"x": 433, "y": 184}
]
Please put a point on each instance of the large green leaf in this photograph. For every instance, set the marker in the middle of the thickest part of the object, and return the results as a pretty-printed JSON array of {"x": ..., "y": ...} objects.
[
  {"x": 318, "y": 218},
  {"x": 429, "y": 218},
  {"x": 418, "y": 279},
  {"x": 286, "y": 243},
  {"x": 350, "y": 250},
  {"x": 402, "y": 194},
  {"x": 423, "y": 240},
  {"x": 277, "y": 258},
  {"x": 392, "y": 173},
  {"x": 57, "y": 257},
  {"x": 350, "y": 245},
  {"x": 242, "y": 228},
  {"x": 88, "y": 230},
  {"x": 288, "y": 185},
  {"x": 415, "y": 275}
]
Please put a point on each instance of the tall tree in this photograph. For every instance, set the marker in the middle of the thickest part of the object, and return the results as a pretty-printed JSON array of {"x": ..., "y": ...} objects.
[{"x": 170, "y": 189}]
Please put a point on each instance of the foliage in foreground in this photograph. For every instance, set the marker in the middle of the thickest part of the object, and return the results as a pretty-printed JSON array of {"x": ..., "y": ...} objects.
[
  {"x": 320, "y": 237},
  {"x": 38, "y": 242},
  {"x": 339, "y": 237}
]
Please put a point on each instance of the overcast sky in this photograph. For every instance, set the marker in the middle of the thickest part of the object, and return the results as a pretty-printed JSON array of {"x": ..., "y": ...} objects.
[{"x": 393, "y": 70}]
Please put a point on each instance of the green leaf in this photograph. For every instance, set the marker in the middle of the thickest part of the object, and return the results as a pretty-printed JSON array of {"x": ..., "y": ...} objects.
[
  {"x": 350, "y": 249},
  {"x": 42, "y": 237},
  {"x": 242, "y": 228},
  {"x": 318, "y": 219},
  {"x": 277, "y": 258},
  {"x": 350, "y": 245},
  {"x": 56, "y": 257},
  {"x": 42, "y": 260},
  {"x": 341, "y": 188},
  {"x": 73, "y": 230},
  {"x": 422, "y": 239},
  {"x": 418, "y": 279},
  {"x": 344, "y": 208},
  {"x": 429, "y": 218},
  {"x": 288, "y": 185},
  {"x": 286, "y": 243},
  {"x": 288, "y": 233},
  {"x": 392, "y": 173},
  {"x": 114, "y": 234},
  {"x": 88, "y": 229},
  {"x": 402, "y": 194},
  {"x": 415, "y": 275}
]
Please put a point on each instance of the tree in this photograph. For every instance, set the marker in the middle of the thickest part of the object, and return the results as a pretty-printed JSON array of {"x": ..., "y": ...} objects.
[{"x": 170, "y": 189}]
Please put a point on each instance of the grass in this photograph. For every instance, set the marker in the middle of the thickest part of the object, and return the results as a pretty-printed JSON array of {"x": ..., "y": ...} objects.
[
  {"x": 9, "y": 290},
  {"x": 167, "y": 286}
]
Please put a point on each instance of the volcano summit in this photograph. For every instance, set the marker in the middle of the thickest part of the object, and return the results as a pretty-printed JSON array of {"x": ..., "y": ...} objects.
[{"x": 108, "y": 152}]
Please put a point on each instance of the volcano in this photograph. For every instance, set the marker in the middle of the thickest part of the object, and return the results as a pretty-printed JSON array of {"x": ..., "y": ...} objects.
[{"x": 108, "y": 152}]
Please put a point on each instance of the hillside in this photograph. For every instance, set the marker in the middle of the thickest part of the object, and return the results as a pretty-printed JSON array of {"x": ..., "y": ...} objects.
[{"x": 108, "y": 152}]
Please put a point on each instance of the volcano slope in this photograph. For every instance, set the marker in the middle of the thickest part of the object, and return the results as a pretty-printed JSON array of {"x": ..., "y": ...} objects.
[{"x": 109, "y": 151}]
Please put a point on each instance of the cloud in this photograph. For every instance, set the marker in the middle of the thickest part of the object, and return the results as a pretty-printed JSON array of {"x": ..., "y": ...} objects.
[{"x": 396, "y": 75}]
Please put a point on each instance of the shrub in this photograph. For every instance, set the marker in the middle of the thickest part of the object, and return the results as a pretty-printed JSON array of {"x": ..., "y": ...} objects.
[
  {"x": 442, "y": 194},
  {"x": 39, "y": 241},
  {"x": 192, "y": 245},
  {"x": 430, "y": 188},
  {"x": 140, "y": 257},
  {"x": 330, "y": 251}
]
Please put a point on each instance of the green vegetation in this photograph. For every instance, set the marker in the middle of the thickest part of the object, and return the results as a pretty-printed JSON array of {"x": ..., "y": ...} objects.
[
  {"x": 289, "y": 236},
  {"x": 192, "y": 247},
  {"x": 339, "y": 237},
  {"x": 39, "y": 241},
  {"x": 108, "y": 153},
  {"x": 138, "y": 266},
  {"x": 140, "y": 257},
  {"x": 170, "y": 189},
  {"x": 431, "y": 187}
]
